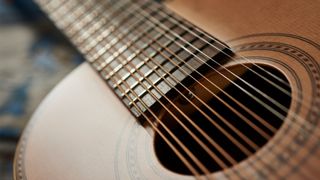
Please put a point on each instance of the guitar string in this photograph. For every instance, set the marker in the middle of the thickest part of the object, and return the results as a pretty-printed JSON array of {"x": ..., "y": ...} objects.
[
  {"x": 146, "y": 61},
  {"x": 85, "y": 16},
  {"x": 247, "y": 121},
  {"x": 97, "y": 27},
  {"x": 216, "y": 159},
  {"x": 182, "y": 22},
  {"x": 186, "y": 163},
  {"x": 279, "y": 115},
  {"x": 180, "y": 156},
  {"x": 294, "y": 98},
  {"x": 116, "y": 8},
  {"x": 305, "y": 129},
  {"x": 176, "y": 65},
  {"x": 131, "y": 42},
  {"x": 204, "y": 40},
  {"x": 298, "y": 129},
  {"x": 156, "y": 72},
  {"x": 69, "y": 26},
  {"x": 171, "y": 76},
  {"x": 113, "y": 41},
  {"x": 119, "y": 38},
  {"x": 154, "y": 20},
  {"x": 198, "y": 163},
  {"x": 269, "y": 126},
  {"x": 99, "y": 68},
  {"x": 127, "y": 61},
  {"x": 141, "y": 74}
]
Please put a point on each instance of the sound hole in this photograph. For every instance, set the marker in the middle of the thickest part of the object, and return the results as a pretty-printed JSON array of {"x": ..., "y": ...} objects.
[{"x": 265, "y": 109}]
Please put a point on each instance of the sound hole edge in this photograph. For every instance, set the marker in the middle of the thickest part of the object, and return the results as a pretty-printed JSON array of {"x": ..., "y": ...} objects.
[{"x": 169, "y": 159}]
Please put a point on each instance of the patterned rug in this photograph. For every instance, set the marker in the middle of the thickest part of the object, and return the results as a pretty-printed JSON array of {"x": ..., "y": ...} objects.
[{"x": 34, "y": 57}]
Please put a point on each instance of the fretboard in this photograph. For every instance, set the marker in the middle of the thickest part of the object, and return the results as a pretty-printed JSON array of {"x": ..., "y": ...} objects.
[{"x": 140, "y": 48}]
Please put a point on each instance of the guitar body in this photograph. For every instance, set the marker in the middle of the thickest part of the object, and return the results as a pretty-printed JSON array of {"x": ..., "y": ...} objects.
[
  {"x": 92, "y": 143},
  {"x": 82, "y": 130}
]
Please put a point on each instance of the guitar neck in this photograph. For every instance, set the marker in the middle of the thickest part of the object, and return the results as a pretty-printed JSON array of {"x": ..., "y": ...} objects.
[{"x": 135, "y": 46}]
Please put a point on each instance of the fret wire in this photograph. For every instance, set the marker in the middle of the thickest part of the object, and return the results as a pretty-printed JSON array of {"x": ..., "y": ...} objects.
[
  {"x": 149, "y": 58},
  {"x": 191, "y": 170},
  {"x": 155, "y": 83},
  {"x": 68, "y": 22},
  {"x": 199, "y": 48},
  {"x": 181, "y": 157},
  {"x": 138, "y": 96},
  {"x": 145, "y": 88},
  {"x": 82, "y": 17},
  {"x": 114, "y": 28},
  {"x": 106, "y": 76},
  {"x": 136, "y": 38},
  {"x": 121, "y": 50},
  {"x": 141, "y": 111},
  {"x": 158, "y": 81},
  {"x": 62, "y": 11},
  {"x": 62, "y": 19},
  {"x": 195, "y": 159},
  {"x": 130, "y": 58},
  {"x": 96, "y": 12},
  {"x": 93, "y": 26},
  {"x": 113, "y": 56},
  {"x": 114, "y": 11},
  {"x": 101, "y": 51},
  {"x": 155, "y": 53},
  {"x": 268, "y": 107},
  {"x": 144, "y": 62},
  {"x": 139, "y": 65}
]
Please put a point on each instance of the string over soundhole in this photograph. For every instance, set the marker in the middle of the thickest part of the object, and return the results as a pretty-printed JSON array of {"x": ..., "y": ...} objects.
[{"x": 224, "y": 119}]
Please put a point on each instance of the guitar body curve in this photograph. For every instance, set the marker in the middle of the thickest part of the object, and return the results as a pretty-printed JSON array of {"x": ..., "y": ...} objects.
[{"x": 83, "y": 131}]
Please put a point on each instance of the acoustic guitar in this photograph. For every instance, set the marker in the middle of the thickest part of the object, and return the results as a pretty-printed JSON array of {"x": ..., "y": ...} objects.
[{"x": 181, "y": 89}]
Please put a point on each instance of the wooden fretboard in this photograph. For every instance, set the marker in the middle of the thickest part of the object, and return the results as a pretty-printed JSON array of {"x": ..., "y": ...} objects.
[{"x": 139, "y": 47}]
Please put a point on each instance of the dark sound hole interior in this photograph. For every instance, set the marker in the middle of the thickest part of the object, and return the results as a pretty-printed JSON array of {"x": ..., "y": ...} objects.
[{"x": 170, "y": 160}]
